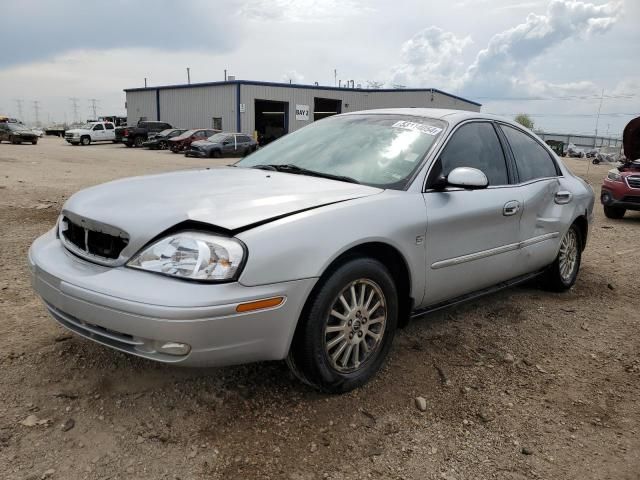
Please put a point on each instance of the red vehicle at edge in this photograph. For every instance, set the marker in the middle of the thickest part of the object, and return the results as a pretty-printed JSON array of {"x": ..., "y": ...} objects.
[
  {"x": 621, "y": 187},
  {"x": 183, "y": 142}
]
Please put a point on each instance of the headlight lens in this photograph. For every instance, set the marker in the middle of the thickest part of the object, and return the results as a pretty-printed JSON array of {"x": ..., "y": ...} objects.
[
  {"x": 192, "y": 255},
  {"x": 614, "y": 175}
]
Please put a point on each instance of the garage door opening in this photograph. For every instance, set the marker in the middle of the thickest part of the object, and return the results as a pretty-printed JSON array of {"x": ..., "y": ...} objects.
[
  {"x": 272, "y": 120},
  {"x": 325, "y": 107}
]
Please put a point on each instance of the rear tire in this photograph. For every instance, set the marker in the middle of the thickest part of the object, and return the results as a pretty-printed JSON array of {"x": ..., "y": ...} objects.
[
  {"x": 335, "y": 348},
  {"x": 138, "y": 141},
  {"x": 614, "y": 212},
  {"x": 563, "y": 272}
]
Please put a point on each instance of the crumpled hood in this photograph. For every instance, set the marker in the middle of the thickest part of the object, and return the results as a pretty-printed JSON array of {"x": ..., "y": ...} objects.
[
  {"x": 204, "y": 143},
  {"x": 226, "y": 197}
]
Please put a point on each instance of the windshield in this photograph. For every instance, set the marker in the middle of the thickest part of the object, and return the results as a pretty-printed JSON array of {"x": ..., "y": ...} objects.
[
  {"x": 217, "y": 138},
  {"x": 17, "y": 126},
  {"x": 378, "y": 150},
  {"x": 164, "y": 133}
]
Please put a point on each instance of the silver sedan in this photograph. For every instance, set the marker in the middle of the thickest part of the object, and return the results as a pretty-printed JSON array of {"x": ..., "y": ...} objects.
[{"x": 317, "y": 247}]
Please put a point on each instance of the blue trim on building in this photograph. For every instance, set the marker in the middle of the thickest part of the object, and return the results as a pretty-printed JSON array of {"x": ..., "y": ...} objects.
[
  {"x": 157, "y": 104},
  {"x": 238, "y": 119},
  {"x": 295, "y": 85}
]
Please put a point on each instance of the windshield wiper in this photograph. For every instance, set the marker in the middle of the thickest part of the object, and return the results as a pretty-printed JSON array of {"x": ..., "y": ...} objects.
[{"x": 290, "y": 168}]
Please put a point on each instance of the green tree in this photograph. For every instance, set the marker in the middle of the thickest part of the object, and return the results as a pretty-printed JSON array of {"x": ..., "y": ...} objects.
[{"x": 524, "y": 120}]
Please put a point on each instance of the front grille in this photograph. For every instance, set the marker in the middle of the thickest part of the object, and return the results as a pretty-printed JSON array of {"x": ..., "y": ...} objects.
[
  {"x": 634, "y": 181},
  {"x": 631, "y": 199},
  {"x": 68, "y": 135},
  {"x": 93, "y": 242}
]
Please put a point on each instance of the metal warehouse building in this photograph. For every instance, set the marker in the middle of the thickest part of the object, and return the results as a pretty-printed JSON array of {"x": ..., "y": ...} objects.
[{"x": 270, "y": 109}]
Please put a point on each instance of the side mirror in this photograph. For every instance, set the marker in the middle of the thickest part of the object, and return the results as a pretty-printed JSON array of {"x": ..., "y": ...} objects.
[{"x": 467, "y": 177}]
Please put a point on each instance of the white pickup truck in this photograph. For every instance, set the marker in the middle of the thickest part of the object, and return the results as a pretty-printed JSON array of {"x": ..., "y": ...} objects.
[{"x": 91, "y": 132}]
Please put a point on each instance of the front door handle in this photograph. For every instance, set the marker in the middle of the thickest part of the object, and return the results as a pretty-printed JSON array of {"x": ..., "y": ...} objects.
[
  {"x": 511, "y": 208},
  {"x": 563, "y": 197}
]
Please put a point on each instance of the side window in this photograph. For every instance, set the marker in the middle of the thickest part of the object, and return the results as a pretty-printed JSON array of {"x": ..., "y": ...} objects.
[
  {"x": 98, "y": 127},
  {"x": 532, "y": 159},
  {"x": 244, "y": 139},
  {"x": 474, "y": 145},
  {"x": 109, "y": 126}
]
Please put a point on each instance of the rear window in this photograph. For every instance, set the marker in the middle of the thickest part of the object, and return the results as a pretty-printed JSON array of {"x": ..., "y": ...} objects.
[{"x": 532, "y": 159}]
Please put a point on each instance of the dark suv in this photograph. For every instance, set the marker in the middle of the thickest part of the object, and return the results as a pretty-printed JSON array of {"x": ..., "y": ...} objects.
[{"x": 136, "y": 136}]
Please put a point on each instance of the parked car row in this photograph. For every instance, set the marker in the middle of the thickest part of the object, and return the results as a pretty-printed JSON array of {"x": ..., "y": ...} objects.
[{"x": 199, "y": 142}]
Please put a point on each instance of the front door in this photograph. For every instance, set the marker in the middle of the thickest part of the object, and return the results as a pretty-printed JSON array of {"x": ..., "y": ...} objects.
[
  {"x": 472, "y": 235},
  {"x": 98, "y": 133}
]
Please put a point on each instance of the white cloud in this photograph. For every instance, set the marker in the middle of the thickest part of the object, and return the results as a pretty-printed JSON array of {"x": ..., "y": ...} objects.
[
  {"x": 431, "y": 56},
  {"x": 499, "y": 66},
  {"x": 311, "y": 11},
  {"x": 292, "y": 76}
]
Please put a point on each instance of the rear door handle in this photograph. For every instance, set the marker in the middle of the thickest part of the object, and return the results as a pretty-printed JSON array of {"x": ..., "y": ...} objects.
[
  {"x": 511, "y": 208},
  {"x": 563, "y": 197}
]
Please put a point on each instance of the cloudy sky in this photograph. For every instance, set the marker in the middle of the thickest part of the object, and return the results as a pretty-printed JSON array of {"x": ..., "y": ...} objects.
[{"x": 549, "y": 58}]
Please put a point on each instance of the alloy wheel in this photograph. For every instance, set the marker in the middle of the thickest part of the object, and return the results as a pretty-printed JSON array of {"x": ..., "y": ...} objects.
[
  {"x": 355, "y": 325},
  {"x": 568, "y": 255}
]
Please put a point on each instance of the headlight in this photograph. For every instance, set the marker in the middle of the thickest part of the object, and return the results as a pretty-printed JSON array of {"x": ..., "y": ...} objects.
[
  {"x": 614, "y": 175},
  {"x": 193, "y": 256}
]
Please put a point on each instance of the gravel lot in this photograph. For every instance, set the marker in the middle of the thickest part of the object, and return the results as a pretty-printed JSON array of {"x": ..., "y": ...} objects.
[{"x": 521, "y": 384}]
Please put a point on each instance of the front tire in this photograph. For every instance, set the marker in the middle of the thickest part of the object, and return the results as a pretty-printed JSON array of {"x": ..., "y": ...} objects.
[
  {"x": 614, "y": 212},
  {"x": 563, "y": 272},
  {"x": 85, "y": 141},
  {"x": 347, "y": 329}
]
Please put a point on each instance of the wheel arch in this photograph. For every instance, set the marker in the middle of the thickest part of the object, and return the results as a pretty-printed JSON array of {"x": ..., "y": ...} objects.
[
  {"x": 583, "y": 224},
  {"x": 386, "y": 254}
]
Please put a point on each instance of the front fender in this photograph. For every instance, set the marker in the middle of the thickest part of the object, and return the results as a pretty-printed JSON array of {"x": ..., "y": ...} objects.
[{"x": 305, "y": 244}]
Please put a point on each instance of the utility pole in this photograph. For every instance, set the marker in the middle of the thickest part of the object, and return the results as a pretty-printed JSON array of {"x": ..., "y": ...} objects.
[
  {"x": 74, "y": 106},
  {"x": 93, "y": 108},
  {"x": 595, "y": 138},
  {"x": 145, "y": 82},
  {"x": 188, "y": 75},
  {"x": 335, "y": 77},
  {"x": 36, "y": 110},
  {"x": 19, "y": 105}
]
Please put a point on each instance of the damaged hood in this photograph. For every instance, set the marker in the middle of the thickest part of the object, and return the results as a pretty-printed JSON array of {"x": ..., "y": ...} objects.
[{"x": 230, "y": 198}]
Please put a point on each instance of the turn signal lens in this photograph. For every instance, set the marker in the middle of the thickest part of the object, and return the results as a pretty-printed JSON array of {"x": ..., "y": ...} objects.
[{"x": 259, "y": 304}]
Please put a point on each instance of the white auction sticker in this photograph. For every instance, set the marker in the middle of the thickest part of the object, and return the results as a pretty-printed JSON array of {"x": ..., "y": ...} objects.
[{"x": 420, "y": 127}]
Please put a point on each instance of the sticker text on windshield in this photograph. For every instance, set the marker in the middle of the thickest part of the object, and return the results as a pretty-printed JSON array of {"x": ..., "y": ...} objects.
[{"x": 420, "y": 127}]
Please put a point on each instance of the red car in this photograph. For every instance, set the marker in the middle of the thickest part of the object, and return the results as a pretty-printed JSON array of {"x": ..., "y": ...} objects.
[
  {"x": 183, "y": 142},
  {"x": 621, "y": 187}
]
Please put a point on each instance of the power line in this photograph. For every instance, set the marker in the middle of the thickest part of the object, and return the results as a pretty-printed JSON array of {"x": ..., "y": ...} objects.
[
  {"x": 625, "y": 96},
  {"x": 19, "y": 105},
  {"x": 36, "y": 110},
  {"x": 74, "y": 106},
  {"x": 93, "y": 108}
]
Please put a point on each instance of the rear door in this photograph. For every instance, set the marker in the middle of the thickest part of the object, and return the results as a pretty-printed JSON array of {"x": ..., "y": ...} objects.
[
  {"x": 109, "y": 132},
  {"x": 229, "y": 145},
  {"x": 547, "y": 207},
  {"x": 472, "y": 235}
]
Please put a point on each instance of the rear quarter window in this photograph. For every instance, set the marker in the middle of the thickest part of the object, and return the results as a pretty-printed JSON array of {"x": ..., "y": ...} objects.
[{"x": 532, "y": 159}]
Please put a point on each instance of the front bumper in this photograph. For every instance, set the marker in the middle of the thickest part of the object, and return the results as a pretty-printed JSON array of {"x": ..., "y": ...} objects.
[
  {"x": 134, "y": 311},
  {"x": 196, "y": 154},
  {"x": 619, "y": 194}
]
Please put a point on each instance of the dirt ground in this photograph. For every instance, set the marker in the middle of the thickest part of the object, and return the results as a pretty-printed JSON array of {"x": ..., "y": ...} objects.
[{"x": 523, "y": 384}]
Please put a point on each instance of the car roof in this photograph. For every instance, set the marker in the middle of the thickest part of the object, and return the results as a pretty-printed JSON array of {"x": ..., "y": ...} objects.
[{"x": 450, "y": 115}]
